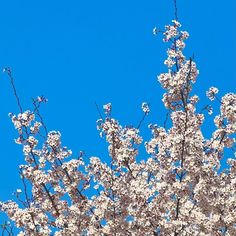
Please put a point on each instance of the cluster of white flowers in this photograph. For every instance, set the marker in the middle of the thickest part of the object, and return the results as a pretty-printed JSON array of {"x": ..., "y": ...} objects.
[
  {"x": 228, "y": 107},
  {"x": 22, "y": 120},
  {"x": 54, "y": 139},
  {"x": 145, "y": 108},
  {"x": 107, "y": 108},
  {"x": 35, "y": 128},
  {"x": 211, "y": 93},
  {"x": 171, "y": 31},
  {"x": 182, "y": 73},
  {"x": 177, "y": 190}
]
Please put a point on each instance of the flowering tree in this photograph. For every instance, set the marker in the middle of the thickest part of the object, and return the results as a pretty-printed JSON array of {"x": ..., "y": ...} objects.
[{"x": 176, "y": 190}]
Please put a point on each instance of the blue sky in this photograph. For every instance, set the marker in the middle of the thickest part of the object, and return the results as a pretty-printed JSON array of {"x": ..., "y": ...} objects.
[{"x": 79, "y": 52}]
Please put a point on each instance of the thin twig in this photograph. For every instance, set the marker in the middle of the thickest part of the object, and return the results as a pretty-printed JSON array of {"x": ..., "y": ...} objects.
[
  {"x": 9, "y": 73},
  {"x": 99, "y": 112},
  {"x": 141, "y": 121},
  {"x": 36, "y": 110},
  {"x": 176, "y": 10},
  {"x": 25, "y": 189}
]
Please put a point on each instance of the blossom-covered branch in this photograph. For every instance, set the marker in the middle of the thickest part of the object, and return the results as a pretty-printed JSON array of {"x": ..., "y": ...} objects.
[{"x": 177, "y": 189}]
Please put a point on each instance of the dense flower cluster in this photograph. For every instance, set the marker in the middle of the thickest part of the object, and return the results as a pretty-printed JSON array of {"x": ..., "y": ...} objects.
[{"x": 177, "y": 190}]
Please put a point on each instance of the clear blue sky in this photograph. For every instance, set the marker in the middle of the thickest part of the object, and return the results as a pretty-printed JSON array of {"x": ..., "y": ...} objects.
[{"x": 78, "y": 52}]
